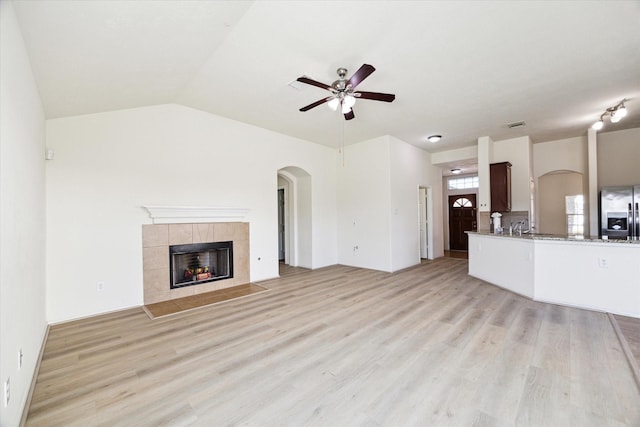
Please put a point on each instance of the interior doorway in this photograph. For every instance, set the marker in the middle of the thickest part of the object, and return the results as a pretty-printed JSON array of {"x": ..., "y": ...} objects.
[
  {"x": 425, "y": 227},
  {"x": 281, "y": 225},
  {"x": 553, "y": 190},
  {"x": 294, "y": 217},
  {"x": 462, "y": 218}
]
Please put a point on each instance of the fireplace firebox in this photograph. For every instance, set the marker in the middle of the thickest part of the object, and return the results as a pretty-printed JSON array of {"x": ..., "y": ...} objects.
[{"x": 198, "y": 263}]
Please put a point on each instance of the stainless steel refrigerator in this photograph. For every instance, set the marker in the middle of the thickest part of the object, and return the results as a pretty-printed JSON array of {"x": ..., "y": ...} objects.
[{"x": 620, "y": 212}]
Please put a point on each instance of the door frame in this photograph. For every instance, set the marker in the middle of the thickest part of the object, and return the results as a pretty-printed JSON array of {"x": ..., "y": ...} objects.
[
  {"x": 452, "y": 197},
  {"x": 426, "y": 212}
]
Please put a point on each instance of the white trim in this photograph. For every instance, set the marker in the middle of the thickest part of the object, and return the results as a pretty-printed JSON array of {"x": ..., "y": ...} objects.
[{"x": 186, "y": 214}]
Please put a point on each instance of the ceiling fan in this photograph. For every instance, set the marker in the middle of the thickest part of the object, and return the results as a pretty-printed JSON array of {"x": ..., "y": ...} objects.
[{"x": 343, "y": 93}]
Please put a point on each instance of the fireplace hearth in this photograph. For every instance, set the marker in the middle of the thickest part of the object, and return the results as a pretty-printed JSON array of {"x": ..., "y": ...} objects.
[{"x": 198, "y": 263}]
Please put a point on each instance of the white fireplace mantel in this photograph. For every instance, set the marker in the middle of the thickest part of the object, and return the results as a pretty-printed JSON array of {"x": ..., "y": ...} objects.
[{"x": 186, "y": 214}]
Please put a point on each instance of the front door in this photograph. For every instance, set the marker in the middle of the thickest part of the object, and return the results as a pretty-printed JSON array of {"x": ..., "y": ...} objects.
[{"x": 462, "y": 217}]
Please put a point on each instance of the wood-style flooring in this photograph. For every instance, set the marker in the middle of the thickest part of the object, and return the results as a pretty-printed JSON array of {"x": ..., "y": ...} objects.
[
  {"x": 457, "y": 254},
  {"x": 166, "y": 308},
  {"x": 343, "y": 346},
  {"x": 630, "y": 327}
]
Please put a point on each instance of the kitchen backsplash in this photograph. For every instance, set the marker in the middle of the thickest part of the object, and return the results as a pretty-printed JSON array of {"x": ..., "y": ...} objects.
[{"x": 512, "y": 217}]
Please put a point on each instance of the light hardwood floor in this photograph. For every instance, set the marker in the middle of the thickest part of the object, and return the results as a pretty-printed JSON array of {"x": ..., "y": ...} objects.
[
  {"x": 343, "y": 346},
  {"x": 630, "y": 327}
]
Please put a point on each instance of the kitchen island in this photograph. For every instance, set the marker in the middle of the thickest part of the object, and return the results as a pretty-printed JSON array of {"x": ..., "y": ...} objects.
[{"x": 594, "y": 274}]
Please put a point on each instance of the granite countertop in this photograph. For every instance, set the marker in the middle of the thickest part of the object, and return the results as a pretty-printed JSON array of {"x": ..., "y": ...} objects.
[{"x": 566, "y": 238}]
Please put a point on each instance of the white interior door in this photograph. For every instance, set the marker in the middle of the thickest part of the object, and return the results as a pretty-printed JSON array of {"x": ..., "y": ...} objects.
[
  {"x": 281, "y": 225},
  {"x": 424, "y": 224}
]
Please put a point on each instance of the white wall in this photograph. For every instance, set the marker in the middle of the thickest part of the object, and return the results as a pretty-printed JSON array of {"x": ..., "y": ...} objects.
[
  {"x": 485, "y": 158},
  {"x": 455, "y": 155},
  {"x": 305, "y": 222},
  {"x": 561, "y": 155},
  {"x": 378, "y": 204},
  {"x": 22, "y": 218},
  {"x": 407, "y": 165},
  {"x": 432, "y": 176},
  {"x": 363, "y": 194},
  {"x": 108, "y": 165},
  {"x": 517, "y": 151},
  {"x": 618, "y": 154}
]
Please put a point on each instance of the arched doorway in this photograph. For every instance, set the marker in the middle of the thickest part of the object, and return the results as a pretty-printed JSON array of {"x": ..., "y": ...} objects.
[
  {"x": 561, "y": 203},
  {"x": 294, "y": 217}
]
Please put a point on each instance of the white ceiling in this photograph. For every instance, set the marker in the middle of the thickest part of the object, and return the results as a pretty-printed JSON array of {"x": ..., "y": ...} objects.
[{"x": 462, "y": 69}]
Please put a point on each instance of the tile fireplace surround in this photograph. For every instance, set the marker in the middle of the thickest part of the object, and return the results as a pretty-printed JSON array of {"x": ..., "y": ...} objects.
[{"x": 156, "y": 239}]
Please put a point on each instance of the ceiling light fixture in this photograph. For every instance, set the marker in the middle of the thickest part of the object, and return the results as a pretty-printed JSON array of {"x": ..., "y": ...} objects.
[
  {"x": 349, "y": 100},
  {"x": 615, "y": 113},
  {"x": 345, "y": 102},
  {"x": 456, "y": 171},
  {"x": 434, "y": 138},
  {"x": 598, "y": 125},
  {"x": 333, "y": 104}
]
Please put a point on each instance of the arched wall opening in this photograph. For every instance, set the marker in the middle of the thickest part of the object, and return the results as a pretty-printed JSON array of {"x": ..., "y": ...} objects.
[
  {"x": 553, "y": 190},
  {"x": 295, "y": 217}
]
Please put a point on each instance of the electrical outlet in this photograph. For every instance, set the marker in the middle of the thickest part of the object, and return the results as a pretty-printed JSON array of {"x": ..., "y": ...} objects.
[
  {"x": 20, "y": 356},
  {"x": 7, "y": 392},
  {"x": 603, "y": 262},
  {"x": 100, "y": 286}
]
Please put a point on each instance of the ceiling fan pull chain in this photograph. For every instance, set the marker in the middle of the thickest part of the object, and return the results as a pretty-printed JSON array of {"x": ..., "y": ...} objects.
[{"x": 342, "y": 149}]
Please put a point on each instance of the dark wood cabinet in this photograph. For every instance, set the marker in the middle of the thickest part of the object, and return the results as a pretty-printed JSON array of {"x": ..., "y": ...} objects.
[{"x": 500, "y": 179}]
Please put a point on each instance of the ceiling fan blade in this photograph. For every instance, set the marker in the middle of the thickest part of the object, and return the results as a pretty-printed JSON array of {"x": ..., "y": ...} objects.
[
  {"x": 362, "y": 73},
  {"x": 376, "y": 96},
  {"x": 312, "y": 82},
  {"x": 349, "y": 115},
  {"x": 315, "y": 104}
]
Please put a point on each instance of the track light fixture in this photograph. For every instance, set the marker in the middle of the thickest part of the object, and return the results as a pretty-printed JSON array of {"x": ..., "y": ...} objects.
[{"x": 615, "y": 113}]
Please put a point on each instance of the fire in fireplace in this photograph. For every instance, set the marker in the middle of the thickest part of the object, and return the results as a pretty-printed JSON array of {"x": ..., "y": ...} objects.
[{"x": 198, "y": 263}]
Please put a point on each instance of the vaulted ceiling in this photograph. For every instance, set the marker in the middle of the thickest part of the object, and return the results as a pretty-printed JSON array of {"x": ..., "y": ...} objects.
[{"x": 462, "y": 69}]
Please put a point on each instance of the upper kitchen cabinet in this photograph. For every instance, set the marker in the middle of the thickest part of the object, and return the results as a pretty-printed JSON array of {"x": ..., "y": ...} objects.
[{"x": 500, "y": 181}]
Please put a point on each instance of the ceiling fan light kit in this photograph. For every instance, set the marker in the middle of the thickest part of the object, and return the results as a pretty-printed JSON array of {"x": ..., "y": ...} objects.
[
  {"x": 343, "y": 93},
  {"x": 615, "y": 113}
]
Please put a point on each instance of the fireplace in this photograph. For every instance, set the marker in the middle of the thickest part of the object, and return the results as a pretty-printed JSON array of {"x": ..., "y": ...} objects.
[
  {"x": 194, "y": 264},
  {"x": 210, "y": 238}
]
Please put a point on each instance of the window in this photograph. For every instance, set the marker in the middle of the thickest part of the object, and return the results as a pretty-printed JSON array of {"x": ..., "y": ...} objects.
[
  {"x": 463, "y": 183},
  {"x": 574, "y": 206},
  {"x": 462, "y": 202}
]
